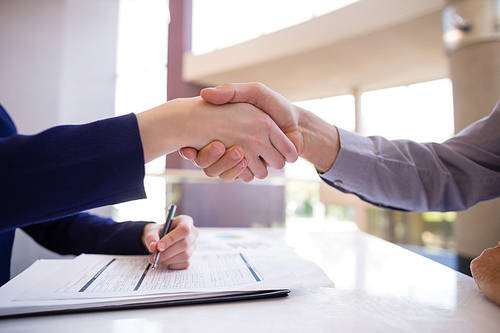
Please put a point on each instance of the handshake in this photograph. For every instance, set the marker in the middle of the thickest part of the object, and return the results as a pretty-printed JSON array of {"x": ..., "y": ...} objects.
[
  {"x": 252, "y": 127},
  {"x": 257, "y": 126}
]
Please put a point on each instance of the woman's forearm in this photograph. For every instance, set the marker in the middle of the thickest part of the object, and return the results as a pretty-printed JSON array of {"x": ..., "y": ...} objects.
[{"x": 162, "y": 129}]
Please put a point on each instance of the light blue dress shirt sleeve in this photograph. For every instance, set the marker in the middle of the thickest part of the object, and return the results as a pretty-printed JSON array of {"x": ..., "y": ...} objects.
[{"x": 406, "y": 175}]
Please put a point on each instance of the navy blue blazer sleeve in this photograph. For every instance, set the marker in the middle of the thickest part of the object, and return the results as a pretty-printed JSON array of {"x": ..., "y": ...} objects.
[
  {"x": 68, "y": 169},
  {"x": 86, "y": 233}
]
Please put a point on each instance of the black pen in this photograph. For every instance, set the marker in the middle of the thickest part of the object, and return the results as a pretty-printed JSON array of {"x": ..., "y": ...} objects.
[{"x": 168, "y": 222}]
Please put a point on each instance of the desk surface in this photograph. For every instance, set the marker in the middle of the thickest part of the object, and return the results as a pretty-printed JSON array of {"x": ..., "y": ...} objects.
[{"x": 378, "y": 287}]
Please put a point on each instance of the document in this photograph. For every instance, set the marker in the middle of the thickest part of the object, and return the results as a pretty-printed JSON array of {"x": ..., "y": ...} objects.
[
  {"x": 91, "y": 276},
  {"x": 106, "y": 281}
]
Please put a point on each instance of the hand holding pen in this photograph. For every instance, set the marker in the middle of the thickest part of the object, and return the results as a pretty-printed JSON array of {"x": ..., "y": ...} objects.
[{"x": 176, "y": 246}]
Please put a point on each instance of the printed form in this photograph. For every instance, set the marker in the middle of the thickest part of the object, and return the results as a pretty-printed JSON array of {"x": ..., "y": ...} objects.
[{"x": 110, "y": 276}]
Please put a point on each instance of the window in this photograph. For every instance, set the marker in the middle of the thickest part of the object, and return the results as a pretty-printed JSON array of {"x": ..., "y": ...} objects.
[
  {"x": 303, "y": 205},
  {"x": 421, "y": 112},
  {"x": 141, "y": 83},
  {"x": 338, "y": 111}
]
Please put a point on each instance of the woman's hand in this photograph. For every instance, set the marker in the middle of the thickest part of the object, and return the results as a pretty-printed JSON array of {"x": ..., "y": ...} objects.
[
  {"x": 177, "y": 247},
  {"x": 191, "y": 122},
  {"x": 216, "y": 161}
]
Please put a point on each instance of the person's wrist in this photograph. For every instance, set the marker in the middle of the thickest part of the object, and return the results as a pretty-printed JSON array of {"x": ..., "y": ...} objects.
[
  {"x": 321, "y": 142},
  {"x": 186, "y": 119},
  {"x": 166, "y": 128}
]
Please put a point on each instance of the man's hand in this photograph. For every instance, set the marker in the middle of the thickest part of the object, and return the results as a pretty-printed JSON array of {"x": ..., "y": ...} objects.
[
  {"x": 284, "y": 113},
  {"x": 486, "y": 272},
  {"x": 176, "y": 247}
]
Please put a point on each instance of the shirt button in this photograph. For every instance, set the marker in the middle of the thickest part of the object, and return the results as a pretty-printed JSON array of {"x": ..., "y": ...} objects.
[{"x": 338, "y": 182}]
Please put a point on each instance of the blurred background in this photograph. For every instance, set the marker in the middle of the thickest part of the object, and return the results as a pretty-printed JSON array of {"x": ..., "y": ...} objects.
[{"x": 403, "y": 69}]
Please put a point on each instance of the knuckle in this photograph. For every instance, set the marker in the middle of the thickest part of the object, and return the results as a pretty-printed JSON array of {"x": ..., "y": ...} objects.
[
  {"x": 184, "y": 229},
  {"x": 169, "y": 239},
  {"x": 184, "y": 244},
  {"x": 259, "y": 86},
  {"x": 264, "y": 123},
  {"x": 186, "y": 219},
  {"x": 257, "y": 141}
]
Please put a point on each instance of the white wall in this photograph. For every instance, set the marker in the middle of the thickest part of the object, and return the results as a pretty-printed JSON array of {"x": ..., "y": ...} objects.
[{"x": 57, "y": 66}]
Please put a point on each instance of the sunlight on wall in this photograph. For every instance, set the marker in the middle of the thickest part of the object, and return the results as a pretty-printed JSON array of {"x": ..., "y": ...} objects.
[{"x": 222, "y": 23}]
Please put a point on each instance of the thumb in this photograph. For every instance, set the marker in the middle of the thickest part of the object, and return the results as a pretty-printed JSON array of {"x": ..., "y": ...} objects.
[
  {"x": 188, "y": 153},
  {"x": 218, "y": 95}
]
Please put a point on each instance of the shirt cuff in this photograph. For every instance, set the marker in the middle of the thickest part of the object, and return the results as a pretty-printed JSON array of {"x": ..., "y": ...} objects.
[{"x": 352, "y": 163}]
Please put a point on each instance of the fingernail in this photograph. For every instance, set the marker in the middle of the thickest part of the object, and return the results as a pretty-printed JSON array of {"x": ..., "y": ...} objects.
[
  {"x": 215, "y": 151},
  {"x": 161, "y": 247},
  {"x": 236, "y": 154}
]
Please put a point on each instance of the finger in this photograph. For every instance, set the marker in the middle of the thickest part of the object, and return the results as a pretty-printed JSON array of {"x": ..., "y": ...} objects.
[
  {"x": 230, "y": 159},
  {"x": 257, "y": 167},
  {"x": 218, "y": 95},
  {"x": 180, "y": 258},
  {"x": 210, "y": 154},
  {"x": 283, "y": 144},
  {"x": 186, "y": 245},
  {"x": 233, "y": 173},
  {"x": 188, "y": 153},
  {"x": 181, "y": 228},
  {"x": 253, "y": 93},
  {"x": 272, "y": 157},
  {"x": 179, "y": 266},
  {"x": 246, "y": 176},
  {"x": 151, "y": 238}
]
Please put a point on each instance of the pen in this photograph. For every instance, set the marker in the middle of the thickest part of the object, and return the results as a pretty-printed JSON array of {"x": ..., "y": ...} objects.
[{"x": 168, "y": 222}]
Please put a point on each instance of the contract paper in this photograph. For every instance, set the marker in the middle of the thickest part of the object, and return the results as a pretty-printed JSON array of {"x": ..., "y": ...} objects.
[
  {"x": 227, "y": 266},
  {"x": 104, "y": 276}
]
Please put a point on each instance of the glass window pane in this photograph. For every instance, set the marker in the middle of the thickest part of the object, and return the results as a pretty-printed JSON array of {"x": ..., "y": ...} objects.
[
  {"x": 338, "y": 111},
  {"x": 421, "y": 112}
]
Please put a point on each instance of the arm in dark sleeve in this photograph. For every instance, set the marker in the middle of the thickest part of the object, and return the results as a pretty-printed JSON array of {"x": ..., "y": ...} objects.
[
  {"x": 414, "y": 176},
  {"x": 68, "y": 169},
  {"x": 86, "y": 233}
]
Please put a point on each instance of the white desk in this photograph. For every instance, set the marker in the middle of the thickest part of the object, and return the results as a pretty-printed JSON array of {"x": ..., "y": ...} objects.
[{"x": 380, "y": 287}]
